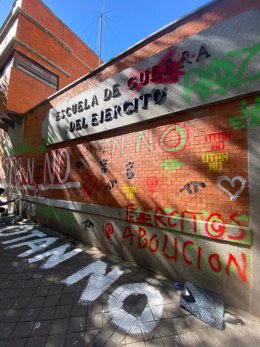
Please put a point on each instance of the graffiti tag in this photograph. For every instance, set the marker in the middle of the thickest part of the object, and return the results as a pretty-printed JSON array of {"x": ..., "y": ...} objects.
[
  {"x": 232, "y": 182},
  {"x": 195, "y": 184},
  {"x": 250, "y": 113},
  {"x": 221, "y": 74}
]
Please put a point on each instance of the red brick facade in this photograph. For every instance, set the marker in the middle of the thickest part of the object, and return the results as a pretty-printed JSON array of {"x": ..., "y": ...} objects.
[{"x": 44, "y": 39}]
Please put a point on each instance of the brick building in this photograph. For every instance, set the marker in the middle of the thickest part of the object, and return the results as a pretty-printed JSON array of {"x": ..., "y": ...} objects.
[
  {"x": 39, "y": 55},
  {"x": 154, "y": 156}
]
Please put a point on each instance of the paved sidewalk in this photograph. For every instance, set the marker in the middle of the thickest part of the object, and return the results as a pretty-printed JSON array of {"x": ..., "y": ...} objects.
[{"x": 37, "y": 309}]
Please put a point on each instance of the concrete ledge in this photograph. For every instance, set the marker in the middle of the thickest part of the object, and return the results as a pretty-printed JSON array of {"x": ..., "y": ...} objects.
[{"x": 206, "y": 229}]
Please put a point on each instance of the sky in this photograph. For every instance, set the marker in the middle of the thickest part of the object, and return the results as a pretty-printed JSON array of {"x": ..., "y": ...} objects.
[{"x": 125, "y": 22}]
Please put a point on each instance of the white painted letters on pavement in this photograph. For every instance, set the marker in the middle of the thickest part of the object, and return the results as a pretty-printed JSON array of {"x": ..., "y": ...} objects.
[
  {"x": 57, "y": 256},
  {"x": 98, "y": 282},
  {"x": 34, "y": 233},
  {"x": 35, "y": 245},
  {"x": 130, "y": 323}
]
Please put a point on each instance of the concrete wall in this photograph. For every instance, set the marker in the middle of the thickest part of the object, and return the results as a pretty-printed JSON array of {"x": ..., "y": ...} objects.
[{"x": 170, "y": 189}]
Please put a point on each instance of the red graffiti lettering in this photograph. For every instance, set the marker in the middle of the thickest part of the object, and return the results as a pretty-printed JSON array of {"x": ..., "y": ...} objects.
[
  {"x": 156, "y": 244},
  {"x": 142, "y": 240},
  {"x": 173, "y": 257},
  {"x": 170, "y": 246},
  {"x": 194, "y": 218},
  {"x": 218, "y": 146},
  {"x": 170, "y": 215},
  {"x": 166, "y": 72},
  {"x": 215, "y": 226},
  {"x": 158, "y": 217},
  {"x": 217, "y": 140},
  {"x": 128, "y": 233},
  {"x": 241, "y": 271},
  {"x": 242, "y": 233},
  {"x": 184, "y": 246},
  {"x": 191, "y": 222},
  {"x": 215, "y": 262},
  {"x": 217, "y": 137},
  {"x": 145, "y": 218},
  {"x": 130, "y": 209}
]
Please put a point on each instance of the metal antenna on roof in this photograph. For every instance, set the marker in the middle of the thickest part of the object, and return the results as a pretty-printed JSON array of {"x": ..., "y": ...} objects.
[
  {"x": 100, "y": 38},
  {"x": 101, "y": 33}
]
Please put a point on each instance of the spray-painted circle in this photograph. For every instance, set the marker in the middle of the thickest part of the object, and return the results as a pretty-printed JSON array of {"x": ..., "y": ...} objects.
[
  {"x": 181, "y": 132},
  {"x": 215, "y": 226}
]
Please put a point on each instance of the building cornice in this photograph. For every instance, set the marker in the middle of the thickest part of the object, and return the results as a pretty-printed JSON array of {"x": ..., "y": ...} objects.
[
  {"x": 8, "y": 23},
  {"x": 38, "y": 54},
  {"x": 9, "y": 49}
]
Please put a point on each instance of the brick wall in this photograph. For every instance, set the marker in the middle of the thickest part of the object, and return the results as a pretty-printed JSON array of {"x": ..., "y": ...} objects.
[
  {"x": 42, "y": 37},
  {"x": 165, "y": 157},
  {"x": 53, "y": 51},
  {"x": 47, "y": 18},
  {"x": 20, "y": 96}
]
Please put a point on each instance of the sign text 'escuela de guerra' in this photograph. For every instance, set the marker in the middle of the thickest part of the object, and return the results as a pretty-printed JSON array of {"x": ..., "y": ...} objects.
[{"x": 212, "y": 65}]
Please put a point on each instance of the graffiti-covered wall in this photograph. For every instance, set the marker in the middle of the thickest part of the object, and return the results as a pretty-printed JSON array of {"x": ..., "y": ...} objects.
[{"x": 150, "y": 158}]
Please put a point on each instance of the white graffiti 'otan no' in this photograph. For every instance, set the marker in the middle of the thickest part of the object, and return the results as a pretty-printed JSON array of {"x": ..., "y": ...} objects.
[
  {"x": 232, "y": 182},
  {"x": 56, "y": 255},
  {"x": 20, "y": 174},
  {"x": 98, "y": 282}
]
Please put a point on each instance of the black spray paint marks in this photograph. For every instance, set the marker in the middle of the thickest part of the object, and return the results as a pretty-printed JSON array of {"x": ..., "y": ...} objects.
[
  {"x": 195, "y": 185},
  {"x": 88, "y": 224},
  {"x": 129, "y": 170}
]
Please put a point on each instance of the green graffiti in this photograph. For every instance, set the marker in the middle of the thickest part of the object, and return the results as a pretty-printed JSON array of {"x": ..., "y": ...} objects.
[
  {"x": 181, "y": 141},
  {"x": 119, "y": 146},
  {"x": 49, "y": 140},
  {"x": 18, "y": 149},
  {"x": 23, "y": 149},
  {"x": 149, "y": 144},
  {"x": 103, "y": 146},
  {"x": 250, "y": 113},
  {"x": 212, "y": 80},
  {"x": 221, "y": 75},
  {"x": 171, "y": 164},
  {"x": 41, "y": 148},
  {"x": 56, "y": 215}
]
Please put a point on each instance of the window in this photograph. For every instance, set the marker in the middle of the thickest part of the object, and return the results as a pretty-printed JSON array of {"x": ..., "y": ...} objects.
[{"x": 37, "y": 71}]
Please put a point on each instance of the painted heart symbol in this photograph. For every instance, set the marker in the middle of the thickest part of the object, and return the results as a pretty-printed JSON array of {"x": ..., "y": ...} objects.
[{"x": 231, "y": 181}]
